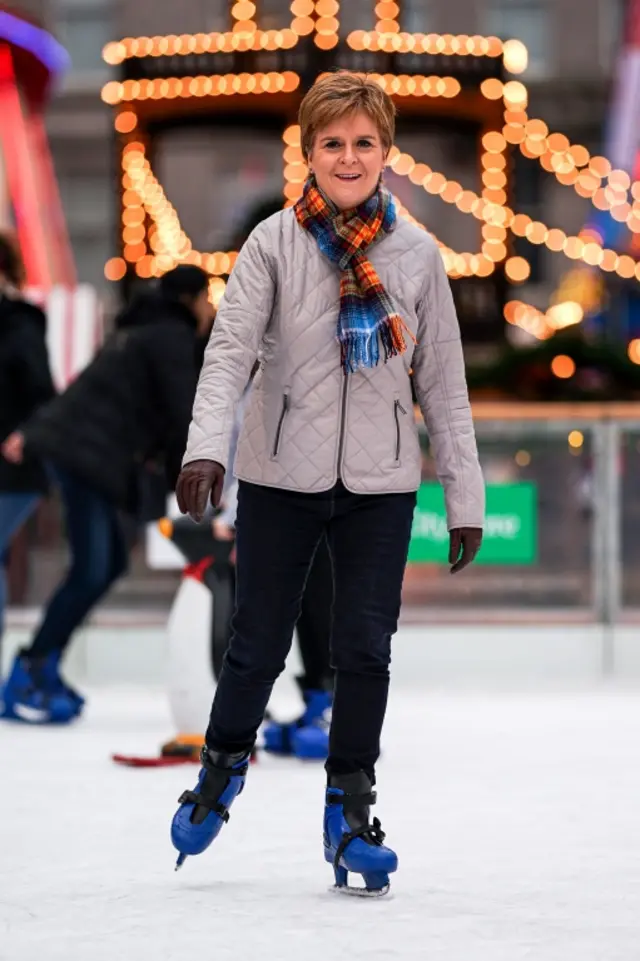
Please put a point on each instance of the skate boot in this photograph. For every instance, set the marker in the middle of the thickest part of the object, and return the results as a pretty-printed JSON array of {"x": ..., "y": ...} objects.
[
  {"x": 202, "y": 812},
  {"x": 56, "y": 685},
  {"x": 26, "y": 696},
  {"x": 308, "y": 737},
  {"x": 351, "y": 843}
]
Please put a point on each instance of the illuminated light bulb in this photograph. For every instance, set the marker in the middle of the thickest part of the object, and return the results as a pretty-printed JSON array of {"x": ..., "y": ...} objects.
[
  {"x": 600, "y": 166},
  {"x": 493, "y": 233},
  {"x": 134, "y": 252},
  {"x": 466, "y": 201},
  {"x": 452, "y": 192},
  {"x": 492, "y": 89},
  {"x": 302, "y": 8},
  {"x": 609, "y": 261},
  {"x": 576, "y": 249},
  {"x": 485, "y": 267},
  {"x": 633, "y": 351},
  {"x": 126, "y": 121},
  {"x": 403, "y": 164},
  {"x": 515, "y": 56},
  {"x": 621, "y": 212},
  {"x": 556, "y": 239},
  {"x": 327, "y": 8},
  {"x": 291, "y": 135},
  {"x": 517, "y": 269},
  {"x": 493, "y": 161},
  {"x": 295, "y": 173},
  {"x": 418, "y": 173},
  {"x": 115, "y": 269},
  {"x": 563, "y": 366},
  {"x": 326, "y": 41},
  {"x": 494, "y": 142},
  {"x": 537, "y": 130},
  {"x": 356, "y": 40},
  {"x": 494, "y": 252},
  {"x": 435, "y": 184},
  {"x": 515, "y": 93},
  {"x": 112, "y": 92},
  {"x": 600, "y": 201},
  {"x": 620, "y": 180},
  {"x": 536, "y": 232},
  {"x": 494, "y": 47},
  {"x": 513, "y": 133},
  {"x": 626, "y": 267},
  {"x": 327, "y": 25},
  {"x": 303, "y": 26}
]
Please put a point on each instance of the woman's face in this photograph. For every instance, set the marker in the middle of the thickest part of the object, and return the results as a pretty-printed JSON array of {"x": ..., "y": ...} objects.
[{"x": 347, "y": 159}]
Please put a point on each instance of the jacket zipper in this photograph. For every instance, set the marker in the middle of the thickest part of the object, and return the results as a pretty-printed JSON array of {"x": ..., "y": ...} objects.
[
  {"x": 343, "y": 418},
  {"x": 283, "y": 414},
  {"x": 397, "y": 406}
]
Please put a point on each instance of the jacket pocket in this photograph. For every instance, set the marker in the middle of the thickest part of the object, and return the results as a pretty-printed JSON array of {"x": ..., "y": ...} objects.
[
  {"x": 284, "y": 409},
  {"x": 398, "y": 411}
]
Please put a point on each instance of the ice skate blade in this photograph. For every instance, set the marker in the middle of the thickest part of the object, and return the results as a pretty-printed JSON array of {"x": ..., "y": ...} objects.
[
  {"x": 361, "y": 892},
  {"x": 181, "y": 859}
]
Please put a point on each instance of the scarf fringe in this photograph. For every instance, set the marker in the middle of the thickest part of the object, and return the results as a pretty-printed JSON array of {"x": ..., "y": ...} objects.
[{"x": 358, "y": 350}]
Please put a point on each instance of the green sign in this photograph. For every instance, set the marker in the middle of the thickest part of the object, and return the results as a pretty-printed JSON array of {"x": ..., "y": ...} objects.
[{"x": 510, "y": 530}]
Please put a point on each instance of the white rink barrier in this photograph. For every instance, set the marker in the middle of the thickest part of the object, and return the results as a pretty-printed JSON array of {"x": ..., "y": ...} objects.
[{"x": 75, "y": 328}]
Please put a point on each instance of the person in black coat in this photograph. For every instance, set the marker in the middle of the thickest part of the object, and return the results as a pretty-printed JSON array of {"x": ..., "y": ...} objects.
[
  {"x": 130, "y": 406},
  {"x": 25, "y": 384}
]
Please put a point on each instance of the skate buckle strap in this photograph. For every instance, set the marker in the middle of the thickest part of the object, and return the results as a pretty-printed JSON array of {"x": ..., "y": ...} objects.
[
  {"x": 351, "y": 801},
  {"x": 373, "y": 832},
  {"x": 193, "y": 797}
]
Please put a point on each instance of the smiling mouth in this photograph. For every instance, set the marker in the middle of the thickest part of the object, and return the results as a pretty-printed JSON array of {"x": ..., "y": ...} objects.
[{"x": 347, "y": 178}]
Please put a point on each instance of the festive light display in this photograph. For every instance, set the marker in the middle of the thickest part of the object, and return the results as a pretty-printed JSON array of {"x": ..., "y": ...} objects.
[{"x": 155, "y": 249}]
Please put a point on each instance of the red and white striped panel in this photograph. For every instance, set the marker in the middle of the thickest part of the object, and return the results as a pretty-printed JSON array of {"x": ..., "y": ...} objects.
[{"x": 75, "y": 328}]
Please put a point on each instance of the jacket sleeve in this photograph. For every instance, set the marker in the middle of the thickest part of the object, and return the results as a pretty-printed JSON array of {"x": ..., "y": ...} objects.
[
  {"x": 242, "y": 318},
  {"x": 441, "y": 389},
  {"x": 172, "y": 353},
  {"x": 33, "y": 366}
]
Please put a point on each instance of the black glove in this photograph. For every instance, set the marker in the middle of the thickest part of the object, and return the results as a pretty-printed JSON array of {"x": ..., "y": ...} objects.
[
  {"x": 467, "y": 538},
  {"x": 198, "y": 481}
]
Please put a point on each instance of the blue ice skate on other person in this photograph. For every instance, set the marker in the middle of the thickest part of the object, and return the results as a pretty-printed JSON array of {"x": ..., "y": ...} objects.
[
  {"x": 202, "y": 812},
  {"x": 28, "y": 696},
  {"x": 308, "y": 737},
  {"x": 352, "y": 844}
]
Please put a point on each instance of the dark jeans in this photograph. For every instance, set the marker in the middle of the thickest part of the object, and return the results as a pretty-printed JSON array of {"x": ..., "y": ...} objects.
[
  {"x": 316, "y": 622},
  {"x": 278, "y": 533},
  {"x": 98, "y": 558}
]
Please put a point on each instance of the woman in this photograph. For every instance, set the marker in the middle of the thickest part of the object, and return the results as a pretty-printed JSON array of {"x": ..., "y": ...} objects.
[
  {"x": 25, "y": 384},
  {"x": 328, "y": 447}
]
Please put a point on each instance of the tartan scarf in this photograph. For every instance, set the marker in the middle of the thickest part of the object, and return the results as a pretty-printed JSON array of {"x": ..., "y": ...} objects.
[{"x": 368, "y": 325}]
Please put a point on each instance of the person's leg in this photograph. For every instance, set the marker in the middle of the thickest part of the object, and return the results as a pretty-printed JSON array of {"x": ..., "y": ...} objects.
[
  {"x": 315, "y": 622},
  {"x": 98, "y": 557},
  {"x": 369, "y": 540},
  {"x": 277, "y": 533},
  {"x": 15, "y": 509}
]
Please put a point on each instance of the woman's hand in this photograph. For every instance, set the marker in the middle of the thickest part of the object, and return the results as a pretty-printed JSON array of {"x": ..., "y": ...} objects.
[
  {"x": 198, "y": 481},
  {"x": 467, "y": 538},
  {"x": 13, "y": 448}
]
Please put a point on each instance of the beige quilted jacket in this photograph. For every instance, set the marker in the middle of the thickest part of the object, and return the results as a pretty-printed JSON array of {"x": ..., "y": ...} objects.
[{"x": 306, "y": 423}]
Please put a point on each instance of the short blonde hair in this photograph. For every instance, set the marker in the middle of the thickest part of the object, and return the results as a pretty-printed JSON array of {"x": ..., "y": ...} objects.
[{"x": 340, "y": 93}]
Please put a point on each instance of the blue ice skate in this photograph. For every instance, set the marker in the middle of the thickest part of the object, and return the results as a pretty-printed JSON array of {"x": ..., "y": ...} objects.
[
  {"x": 351, "y": 843},
  {"x": 25, "y": 696},
  {"x": 202, "y": 812},
  {"x": 56, "y": 685},
  {"x": 308, "y": 737}
]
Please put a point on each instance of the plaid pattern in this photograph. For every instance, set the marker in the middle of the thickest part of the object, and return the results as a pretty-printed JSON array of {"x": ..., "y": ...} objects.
[{"x": 368, "y": 326}]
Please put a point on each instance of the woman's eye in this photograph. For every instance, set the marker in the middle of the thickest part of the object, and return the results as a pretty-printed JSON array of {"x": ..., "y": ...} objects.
[
  {"x": 364, "y": 143},
  {"x": 332, "y": 144}
]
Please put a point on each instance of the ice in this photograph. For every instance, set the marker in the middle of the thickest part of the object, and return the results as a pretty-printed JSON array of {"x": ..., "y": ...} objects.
[{"x": 515, "y": 816}]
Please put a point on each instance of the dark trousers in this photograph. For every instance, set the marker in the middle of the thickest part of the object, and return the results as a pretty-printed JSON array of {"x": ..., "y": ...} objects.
[
  {"x": 98, "y": 558},
  {"x": 316, "y": 622},
  {"x": 277, "y": 534}
]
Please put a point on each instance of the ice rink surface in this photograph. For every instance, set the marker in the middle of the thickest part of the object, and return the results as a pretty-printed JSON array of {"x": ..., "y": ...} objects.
[{"x": 516, "y": 818}]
